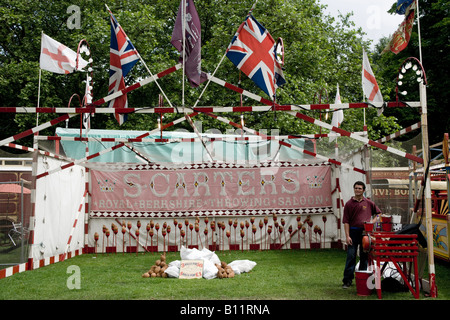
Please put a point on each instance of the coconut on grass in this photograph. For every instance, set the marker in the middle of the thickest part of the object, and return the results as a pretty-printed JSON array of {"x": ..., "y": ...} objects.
[{"x": 157, "y": 270}]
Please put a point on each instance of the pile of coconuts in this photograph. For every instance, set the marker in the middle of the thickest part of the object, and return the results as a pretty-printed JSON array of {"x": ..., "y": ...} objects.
[
  {"x": 157, "y": 270},
  {"x": 225, "y": 271}
]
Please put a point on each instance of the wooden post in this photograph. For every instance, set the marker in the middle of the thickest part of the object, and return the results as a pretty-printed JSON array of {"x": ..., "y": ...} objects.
[{"x": 428, "y": 216}]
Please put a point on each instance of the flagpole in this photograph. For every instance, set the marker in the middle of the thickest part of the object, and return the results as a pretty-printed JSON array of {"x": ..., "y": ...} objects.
[
  {"x": 156, "y": 81},
  {"x": 418, "y": 31},
  {"x": 425, "y": 147},
  {"x": 35, "y": 143},
  {"x": 147, "y": 68},
  {"x": 364, "y": 96},
  {"x": 39, "y": 86},
  {"x": 183, "y": 30},
  {"x": 253, "y": 7},
  {"x": 39, "y": 96},
  {"x": 220, "y": 62}
]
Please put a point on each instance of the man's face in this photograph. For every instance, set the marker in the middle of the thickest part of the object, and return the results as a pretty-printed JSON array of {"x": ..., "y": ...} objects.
[{"x": 359, "y": 190}]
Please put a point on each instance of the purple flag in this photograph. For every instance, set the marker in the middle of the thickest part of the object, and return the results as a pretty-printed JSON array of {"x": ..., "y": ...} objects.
[{"x": 192, "y": 40}]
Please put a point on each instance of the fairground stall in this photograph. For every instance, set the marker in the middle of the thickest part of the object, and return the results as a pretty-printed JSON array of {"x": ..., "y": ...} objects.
[{"x": 124, "y": 192}]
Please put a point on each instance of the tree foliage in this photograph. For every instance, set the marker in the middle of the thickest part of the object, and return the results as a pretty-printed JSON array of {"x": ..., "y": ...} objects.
[
  {"x": 320, "y": 53},
  {"x": 435, "y": 41}
]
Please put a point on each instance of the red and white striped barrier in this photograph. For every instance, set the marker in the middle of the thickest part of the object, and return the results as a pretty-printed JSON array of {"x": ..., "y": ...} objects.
[
  {"x": 7, "y": 272},
  {"x": 137, "y": 85},
  {"x": 389, "y": 137},
  {"x": 278, "y": 107},
  {"x": 44, "y": 153},
  {"x": 32, "y": 265},
  {"x": 399, "y": 133},
  {"x": 75, "y": 223},
  {"x": 117, "y": 146},
  {"x": 36, "y": 264},
  {"x": 315, "y": 155},
  {"x": 215, "y": 109},
  {"x": 94, "y": 139},
  {"x": 35, "y": 129},
  {"x": 145, "y": 157},
  {"x": 191, "y": 123},
  {"x": 357, "y": 137},
  {"x": 171, "y": 140},
  {"x": 317, "y": 122}
]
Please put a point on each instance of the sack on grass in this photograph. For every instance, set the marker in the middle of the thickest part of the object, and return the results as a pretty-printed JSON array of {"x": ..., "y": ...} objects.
[
  {"x": 211, "y": 256},
  {"x": 209, "y": 269},
  {"x": 176, "y": 263},
  {"x": 240, "y": 266},
  {"x": 195, "y": 254},
  {"x": 173, "y": 271}
]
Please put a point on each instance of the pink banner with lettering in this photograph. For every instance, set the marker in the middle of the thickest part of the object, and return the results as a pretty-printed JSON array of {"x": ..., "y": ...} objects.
[{"x": 211, "y": 189}]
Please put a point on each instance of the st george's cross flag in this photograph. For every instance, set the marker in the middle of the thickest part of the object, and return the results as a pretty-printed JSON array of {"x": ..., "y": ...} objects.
[
  {"x": 252, "y": 51},
  {"x": 122, "y": 57},
  {"x": 56, "y": 57},
  {"x": 370, "y": 85}
]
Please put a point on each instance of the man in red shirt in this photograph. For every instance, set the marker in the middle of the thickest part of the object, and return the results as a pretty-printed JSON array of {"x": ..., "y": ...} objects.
[{"x": 356, "y": 211}]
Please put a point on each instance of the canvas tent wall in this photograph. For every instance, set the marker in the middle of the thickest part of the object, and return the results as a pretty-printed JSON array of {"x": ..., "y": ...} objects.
[
  {"x": 180, "y": 147},
  {"x": 250, "y": 159},
  {"x": 58, "y": 204}
]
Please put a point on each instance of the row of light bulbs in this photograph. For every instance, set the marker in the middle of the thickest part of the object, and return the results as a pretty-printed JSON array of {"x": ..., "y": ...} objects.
[{"x": 405, "y": 68}]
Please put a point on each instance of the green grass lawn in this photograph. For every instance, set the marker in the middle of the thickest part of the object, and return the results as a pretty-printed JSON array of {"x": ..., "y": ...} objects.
[{"x": 278, "y": 275}]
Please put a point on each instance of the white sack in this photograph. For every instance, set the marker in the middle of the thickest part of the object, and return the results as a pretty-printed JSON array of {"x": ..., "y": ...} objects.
[
  {"x": 209, "y": 270},
  {"x": 194, "y": 254},
  {"x": 210, "y": 259},
  {"x": 175, "y": 263},
  {"x": 240, "y": 266},
  {"x": 173, "y": 271}
]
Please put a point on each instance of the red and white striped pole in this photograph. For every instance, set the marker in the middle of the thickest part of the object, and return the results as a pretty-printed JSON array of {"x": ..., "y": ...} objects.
[
  {"x": 283, "y": 143},
  {"x": 44, "y": 153},
  {"x": 357, "y": 137},
  {"x": 74, "y": 225},
  {"x": 264, "y": 108},
  {"x": 314, "y": 121},
  {"x": 400, "y": 132},
  {"x": 117, "y": 146},
  {"x": 36, "y": 129},
  {"x": 136, "y": 85}
]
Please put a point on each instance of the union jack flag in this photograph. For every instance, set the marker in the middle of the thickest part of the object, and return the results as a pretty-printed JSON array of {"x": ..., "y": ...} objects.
[
  {"x": 403, "y": 5},
  {"x": 252, "y": 51},
  {"x": 122, "y": 57}
]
